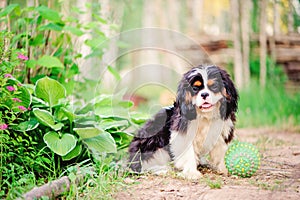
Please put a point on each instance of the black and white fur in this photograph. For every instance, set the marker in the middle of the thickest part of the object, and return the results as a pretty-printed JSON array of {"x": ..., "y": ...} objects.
[{"x": 200, "y": 123}]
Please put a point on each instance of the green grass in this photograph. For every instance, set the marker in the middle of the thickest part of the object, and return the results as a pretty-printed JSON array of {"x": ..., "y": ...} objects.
[
  {"x": 214, "y": 182},
  {"x": 106, "y": 179},
  {"x": 99, "y": 180},
  {"x": 272, "y": 106}
]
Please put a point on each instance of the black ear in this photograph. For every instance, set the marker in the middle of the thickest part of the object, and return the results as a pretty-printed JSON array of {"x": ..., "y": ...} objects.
[
  {"x": 184, "y": 100},
  {"x": 230, "y": 102}
]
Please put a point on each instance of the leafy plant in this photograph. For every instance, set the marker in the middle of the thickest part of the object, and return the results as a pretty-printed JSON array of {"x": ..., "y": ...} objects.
[
  {"x": 43, "y": 130},
  {"x": 68, "y": 131},
  {"x": 97, "y": 128},
  {"x": 72, "y": 133},
  {"x": 46, "y": 41}
]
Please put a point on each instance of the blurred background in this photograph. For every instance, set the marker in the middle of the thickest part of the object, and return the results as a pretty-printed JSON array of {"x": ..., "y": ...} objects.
[{"x": 144, "y": 47}]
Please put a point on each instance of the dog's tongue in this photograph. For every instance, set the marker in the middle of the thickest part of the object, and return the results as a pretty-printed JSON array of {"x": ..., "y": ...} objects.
[{"x": 206, "y": 105}]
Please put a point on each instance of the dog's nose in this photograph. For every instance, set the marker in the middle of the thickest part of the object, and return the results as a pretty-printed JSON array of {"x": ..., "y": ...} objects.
[{"x": 204, "y": 95}]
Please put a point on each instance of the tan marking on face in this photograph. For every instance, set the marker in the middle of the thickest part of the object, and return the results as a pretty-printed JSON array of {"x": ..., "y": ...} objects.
[
  {"x": 197, "y": 83},
  {"x": 225, "y": 94},
  {"x": 210, "y": 82},
  {"x": 188, "y": 97}
]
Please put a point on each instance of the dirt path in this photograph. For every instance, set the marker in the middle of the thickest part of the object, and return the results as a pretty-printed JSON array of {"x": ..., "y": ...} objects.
[{"x": 277, "y": 178}]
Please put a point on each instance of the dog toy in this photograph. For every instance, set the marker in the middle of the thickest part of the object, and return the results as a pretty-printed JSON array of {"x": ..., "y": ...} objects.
[{"x": 242, "y": 159}]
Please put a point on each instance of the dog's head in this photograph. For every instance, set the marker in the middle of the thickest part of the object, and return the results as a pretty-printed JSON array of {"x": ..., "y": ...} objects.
[{"x": 204, "y": 89}]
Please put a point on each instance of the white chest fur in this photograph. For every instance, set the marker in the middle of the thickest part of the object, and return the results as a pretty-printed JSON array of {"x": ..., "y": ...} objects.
[
  {"x": 207, "y": 134},
  {"x": 201, "y": 137}
]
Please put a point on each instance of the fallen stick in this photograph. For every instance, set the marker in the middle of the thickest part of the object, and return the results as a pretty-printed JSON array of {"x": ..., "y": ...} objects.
[{"x": 51, "y": 189}]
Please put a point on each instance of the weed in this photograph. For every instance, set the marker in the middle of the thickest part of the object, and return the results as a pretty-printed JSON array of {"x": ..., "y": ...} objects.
[
  {"x": 213, "y": 182},
  {"x": 272, "y": 186},
  {"x": 101, "y": 180}
]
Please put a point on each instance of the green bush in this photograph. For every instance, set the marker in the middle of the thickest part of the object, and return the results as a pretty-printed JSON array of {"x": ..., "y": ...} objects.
[
  {"x": 43, "y": 129},
  {"x": 49, "y": 134}
]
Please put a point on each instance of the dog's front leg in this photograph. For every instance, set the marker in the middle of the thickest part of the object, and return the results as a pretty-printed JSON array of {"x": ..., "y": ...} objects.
[
  {"x": 187, "y": 162},
  {"x": 217, "y": 156}
]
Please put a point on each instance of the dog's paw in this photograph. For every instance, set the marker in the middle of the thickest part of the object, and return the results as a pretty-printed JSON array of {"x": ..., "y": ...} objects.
[
  {"x": 221, "y": 168},
  {"x": 190, "y": 174}
]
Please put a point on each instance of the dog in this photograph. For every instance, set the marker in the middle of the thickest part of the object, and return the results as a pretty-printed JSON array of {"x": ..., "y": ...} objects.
[{"x": 200, "y": 124}]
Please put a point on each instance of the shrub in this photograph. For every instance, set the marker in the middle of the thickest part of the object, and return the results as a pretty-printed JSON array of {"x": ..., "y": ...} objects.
[{"x": 43, "y": 130}]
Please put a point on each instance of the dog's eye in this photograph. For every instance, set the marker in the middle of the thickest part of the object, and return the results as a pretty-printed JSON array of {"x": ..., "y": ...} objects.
[
  {"x": 197, "y": 84},
  {"x": 214, "y": 87},
  {"x": 196, "y": 88}
]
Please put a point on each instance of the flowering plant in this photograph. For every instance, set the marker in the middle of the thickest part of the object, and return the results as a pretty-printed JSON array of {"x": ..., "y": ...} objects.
[{"x": 15, "y": 99}]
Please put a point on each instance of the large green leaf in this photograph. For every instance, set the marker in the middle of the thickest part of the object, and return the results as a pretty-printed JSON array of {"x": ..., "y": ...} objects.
[
  {"x": 101, "y": 143},
  {"x": 64, "y": 113},
  {"x": 139, "y": 118},
  {"x": 49, "y": 62},
  {"x": 107, "y": 106},
  {"x": 27, "y": 126},
  {"x": 122, "y": 139},
  {"x": 50, "y": 90},
  {"x": 97, "y": 140},
  {"x": 60, "y": 145},
  {"x": 88, "y": 132},
  {"x": 57, "y": 126},
  {"x": 48, "y": 13},
  {"x": 44, "y": 117},
  {"x": 112, "y": 112},
  {"x": 113, "y": 124},
  {"x": 74, "y": 153},
  {"x": 47, "y": 119}
]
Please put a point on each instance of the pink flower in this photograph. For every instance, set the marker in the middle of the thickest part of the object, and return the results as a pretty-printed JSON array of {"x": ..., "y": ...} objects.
[
  {"x": 3, "y": 126},
  {"x": 8, "y": 76},
  {"x": 19, "y": 84},
  {"x": 10, "y": 88},
  {"x": 22, "y": 57},
  {"x": 16, "y": 100},
  {"x": 22, "y": 108}
]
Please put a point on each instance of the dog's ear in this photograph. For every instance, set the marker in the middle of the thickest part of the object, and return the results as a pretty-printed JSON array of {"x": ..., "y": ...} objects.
[
  {"x": 184, "y": 100},
  {"x": 230, "y": 102}
]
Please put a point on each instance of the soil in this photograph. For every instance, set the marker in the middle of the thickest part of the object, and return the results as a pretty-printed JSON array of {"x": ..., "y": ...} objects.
[{"x": 277, "y": 178}]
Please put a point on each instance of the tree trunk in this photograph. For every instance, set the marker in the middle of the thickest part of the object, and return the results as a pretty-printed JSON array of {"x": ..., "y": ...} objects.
[
  {"x": 238, "y": 70},
  {"x": 111, "y": 54},
  {"x": 149, "y": 20},
  {"x": 3, "y": 25},
  {"x": 85, "y": 65},
  {"x": 197, "y": 12},
  {"x": 245, "y": 26},
  {"x": 276, "y": 23},
  {"x": 263, "y": 43},
  {"x": 290, "y": 18},
  {"x": 2, "y": 3},
  {"x": 276, "y": 32}
]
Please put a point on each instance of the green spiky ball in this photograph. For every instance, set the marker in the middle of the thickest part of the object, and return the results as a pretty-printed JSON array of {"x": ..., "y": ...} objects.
[{"x": 242, "y": 159}]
